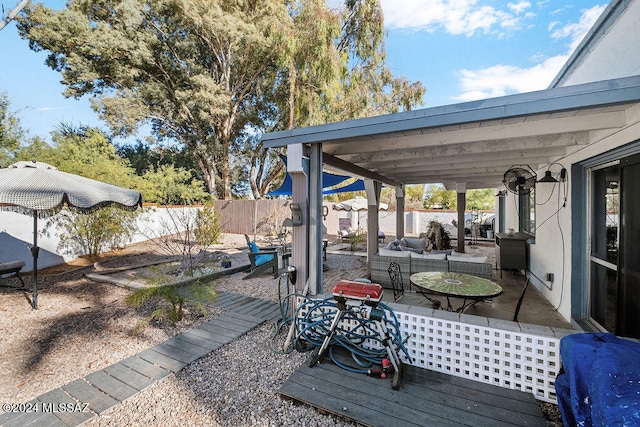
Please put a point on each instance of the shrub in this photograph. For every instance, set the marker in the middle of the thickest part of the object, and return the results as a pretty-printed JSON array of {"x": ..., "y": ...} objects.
[
  {"x": 172, "y": 299},
  {"x": 95, "y": 232}
]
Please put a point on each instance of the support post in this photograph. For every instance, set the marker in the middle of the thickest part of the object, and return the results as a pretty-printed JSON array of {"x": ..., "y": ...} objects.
[
  {"x": 315, "y": 220},
  {"x": 399, "y": 212},
  {"x": 297, "y": 166},
  {"x": 372, "y": 189},
  {"x": 461, "y": 188}
]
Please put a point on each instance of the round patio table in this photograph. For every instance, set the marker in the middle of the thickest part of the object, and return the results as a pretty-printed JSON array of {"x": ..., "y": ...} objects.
[{"x": 458, "y": 285}]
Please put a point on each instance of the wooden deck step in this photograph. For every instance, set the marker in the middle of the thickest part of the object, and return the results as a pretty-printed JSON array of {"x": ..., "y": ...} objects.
[{"x": 425, "y": 398}]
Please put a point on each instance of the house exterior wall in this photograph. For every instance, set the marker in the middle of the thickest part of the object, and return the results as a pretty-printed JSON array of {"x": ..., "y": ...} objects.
[
  {"x": 553, "y": 247},
  {"x": 609, "y": 51}
]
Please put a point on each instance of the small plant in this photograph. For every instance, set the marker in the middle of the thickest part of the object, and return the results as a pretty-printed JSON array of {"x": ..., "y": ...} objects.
[
  {"x": 438, "y": 236},
  {"x": 359, "y": 237},
  {"x": 172, "y": 300},
  {"x": 94, "y": 232},
  {"x": 187, "y": 232}
]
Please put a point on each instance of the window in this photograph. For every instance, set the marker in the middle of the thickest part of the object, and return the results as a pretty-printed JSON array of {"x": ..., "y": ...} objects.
[{"x": 527, "y": 212}]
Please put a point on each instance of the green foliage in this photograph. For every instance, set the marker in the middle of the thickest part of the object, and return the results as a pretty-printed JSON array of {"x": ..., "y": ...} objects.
[
  {"x": 36, "y": 149},
  {"x": 476, "y": 200},
  {"x": 209, "y": 75},
  {"x": 481, "y": 200},
  {"x": 207, "y": 231},
  {"x": 99, "y": 231},
  {"x": 87, "y": 151},
  {"x": 11, "y": 133},
  {"x": 171, "y": 299},
  {"x": 170, "y": 186},
  {"x": 356, "y": 239},
  {"x": 144, "y": 157},
  {"x": 187, "y": 67},
  {"x": 437, "y": 196}
]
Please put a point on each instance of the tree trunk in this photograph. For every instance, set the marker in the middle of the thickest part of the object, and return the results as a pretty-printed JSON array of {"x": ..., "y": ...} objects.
[{"x": 208, "y": 168}]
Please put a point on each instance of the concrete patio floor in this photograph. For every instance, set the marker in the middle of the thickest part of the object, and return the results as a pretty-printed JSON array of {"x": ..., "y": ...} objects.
[{"x": 535, "y": 309}]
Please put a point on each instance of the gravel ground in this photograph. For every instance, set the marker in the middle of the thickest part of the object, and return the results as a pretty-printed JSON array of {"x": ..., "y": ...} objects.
[{"x": 83, "y": 326}]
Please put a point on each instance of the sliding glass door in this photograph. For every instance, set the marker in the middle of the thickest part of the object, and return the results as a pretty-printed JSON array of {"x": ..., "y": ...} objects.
[
  {"x": 604, "y": 225},
  {"x": 614, "y": 257}
]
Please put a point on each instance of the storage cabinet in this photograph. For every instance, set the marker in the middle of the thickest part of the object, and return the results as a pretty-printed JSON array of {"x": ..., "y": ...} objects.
[{"x": 511, "y": 251}]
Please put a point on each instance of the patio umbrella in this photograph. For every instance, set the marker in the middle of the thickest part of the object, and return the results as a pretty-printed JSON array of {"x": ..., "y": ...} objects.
[
  {"x": 356, "y": 204},
  {"x": 41, "y": 190}
]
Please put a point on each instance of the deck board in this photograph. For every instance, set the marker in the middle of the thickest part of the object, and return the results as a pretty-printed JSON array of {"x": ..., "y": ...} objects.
[{"x": 425, "y": 398}]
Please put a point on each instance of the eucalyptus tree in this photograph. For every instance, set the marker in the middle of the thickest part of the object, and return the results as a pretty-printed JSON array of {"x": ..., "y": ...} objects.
[
  {"x": 211, "y": 74},
  {"x": 335, "y": 70},
  {"x": 11, "y": 132},
  {"x": 187, "y": 67}
]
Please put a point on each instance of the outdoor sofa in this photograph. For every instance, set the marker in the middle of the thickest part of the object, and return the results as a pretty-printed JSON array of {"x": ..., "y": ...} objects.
[{"x": 413, "y": 262}]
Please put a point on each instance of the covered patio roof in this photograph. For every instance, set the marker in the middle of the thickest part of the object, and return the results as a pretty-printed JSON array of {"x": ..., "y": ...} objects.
[{"x": 472, "y": 142}]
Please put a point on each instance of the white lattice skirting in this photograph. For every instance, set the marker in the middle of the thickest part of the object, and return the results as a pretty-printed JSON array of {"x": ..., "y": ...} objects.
[{"x": 507, "y": 354}]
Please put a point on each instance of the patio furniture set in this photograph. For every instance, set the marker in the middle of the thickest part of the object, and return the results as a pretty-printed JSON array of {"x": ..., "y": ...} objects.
[{"x": 412, "y": 262}]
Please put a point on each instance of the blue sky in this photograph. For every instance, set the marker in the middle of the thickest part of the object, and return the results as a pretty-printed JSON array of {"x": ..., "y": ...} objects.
[{"x": 461, "y": 50}]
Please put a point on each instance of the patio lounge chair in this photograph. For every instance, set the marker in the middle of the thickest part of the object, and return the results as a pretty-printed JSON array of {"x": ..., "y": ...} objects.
[
  {"x": 261, "y": 259},
  {"x": 12, "y": 267}
]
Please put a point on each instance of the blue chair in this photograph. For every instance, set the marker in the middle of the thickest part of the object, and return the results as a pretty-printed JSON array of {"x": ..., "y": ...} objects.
[{"x": 261, "y": 260}]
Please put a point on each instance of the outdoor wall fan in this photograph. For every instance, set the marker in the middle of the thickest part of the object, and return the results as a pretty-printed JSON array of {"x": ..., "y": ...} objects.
[{"x": 520, "y": 179}]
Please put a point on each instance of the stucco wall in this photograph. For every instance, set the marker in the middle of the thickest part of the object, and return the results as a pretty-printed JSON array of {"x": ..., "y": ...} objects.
[
  {"x": 551, "y": 252},
  {"x": 16, "y": 235},
  {"x": 613, "y": 53}
]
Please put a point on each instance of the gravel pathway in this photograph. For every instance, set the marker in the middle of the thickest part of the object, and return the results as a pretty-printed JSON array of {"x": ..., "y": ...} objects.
[{"x": 83, "y": 326}]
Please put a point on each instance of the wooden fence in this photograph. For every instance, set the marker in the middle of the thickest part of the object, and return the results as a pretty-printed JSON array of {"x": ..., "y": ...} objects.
[
  {"x": 252, "y": 216},
  {"x": 263, "y": 217}
]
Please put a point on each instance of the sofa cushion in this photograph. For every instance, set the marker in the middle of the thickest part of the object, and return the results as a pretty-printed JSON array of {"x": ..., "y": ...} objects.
[
  {"x": 413, "y": 242},
  {"x": 411, "y": 250},
  {"x": 428, "y": 255},
  {"x": 472, "y": 259},
  {"x": 442, "y": 251},
  {"x": 391, "y": 252},
  {"x": 394, "y": 246}
]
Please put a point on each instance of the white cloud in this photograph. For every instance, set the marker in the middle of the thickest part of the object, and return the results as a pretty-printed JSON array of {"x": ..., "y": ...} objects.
[
  {"x": 457, "y": 17},
  {"x": 519, "y": 7},
  {"x": 501, "y": 80},
  {"x": 577, "y": 30}
]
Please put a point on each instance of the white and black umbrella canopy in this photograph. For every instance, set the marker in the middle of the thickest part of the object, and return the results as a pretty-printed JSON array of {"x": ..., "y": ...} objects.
[
  {"x": 41, "y": 190},
  {"x": 39, "y": 187},
  {"x": 356, "y": 204}
]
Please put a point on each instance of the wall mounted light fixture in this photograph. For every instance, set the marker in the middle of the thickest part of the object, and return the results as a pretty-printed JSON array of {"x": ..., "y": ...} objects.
[{"x": 548, "y": 176}]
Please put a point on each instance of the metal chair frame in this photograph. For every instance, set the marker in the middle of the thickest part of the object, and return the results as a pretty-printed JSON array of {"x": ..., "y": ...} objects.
[{"x": 395, "y": 274}]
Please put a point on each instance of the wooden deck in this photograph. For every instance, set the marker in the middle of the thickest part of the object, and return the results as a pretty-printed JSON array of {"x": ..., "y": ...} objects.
[{"x": 425, "y": 398}]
